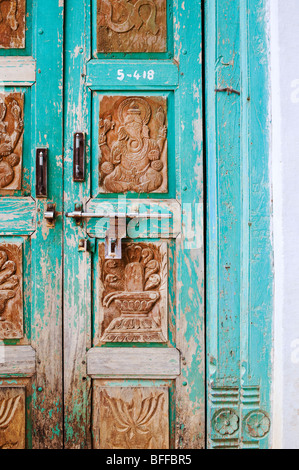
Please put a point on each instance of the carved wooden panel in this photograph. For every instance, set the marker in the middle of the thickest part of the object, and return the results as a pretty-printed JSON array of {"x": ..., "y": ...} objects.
[
  {"x": 132, "y": 26},
  {"x": 133, "y": 294},
  {"x": 130, "y": 418},
  {"x": 133, "y": 144},
  {"x": 11, "y": 301},
  {"x": 11, "y": 140},
  {"x": 12, "y": 24},
  {"x": 12, "y": 418}
]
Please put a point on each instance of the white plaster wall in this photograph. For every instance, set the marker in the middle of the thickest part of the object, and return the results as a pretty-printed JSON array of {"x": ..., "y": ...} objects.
[{"x": 284, "y": 15}]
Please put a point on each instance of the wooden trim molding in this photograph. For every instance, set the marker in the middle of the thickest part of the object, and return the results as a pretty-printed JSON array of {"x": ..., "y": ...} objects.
[
  {"x": 17, "y": 360},
  {"x": 134, "y": 363}
]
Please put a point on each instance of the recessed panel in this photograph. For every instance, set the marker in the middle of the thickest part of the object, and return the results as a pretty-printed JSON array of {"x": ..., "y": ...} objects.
[
  {"x": 131, "y": 418},
  {"x": 133, "y": 294},
  {"x": 12, "y": 418},
  {"x": 11, "y": 299},
  {"x": 131, "y": 26},
  {"x": 11, "y": 140},
  {"x": 133, "y": 144},
  {"x": 12, "y": 24}
]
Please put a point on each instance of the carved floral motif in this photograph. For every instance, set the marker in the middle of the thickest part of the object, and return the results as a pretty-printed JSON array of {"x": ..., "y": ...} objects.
[
  {"x": 131, "y": 25},
  {"x": 257, "y": 424},
  {"x": 133, "y": 418},
  {"x": 12, "y": 418},
  {"x": 134, "y": 295},
  {"x": 11, "y": 137},
  {"x": 11, "y": 312},
  {"x": 226, "y": 422},
  {"x": 131, "y": 159},
  {"x": 12, "y": 24}
]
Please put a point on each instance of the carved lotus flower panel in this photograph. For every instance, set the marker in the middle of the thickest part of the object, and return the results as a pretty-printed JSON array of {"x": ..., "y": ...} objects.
[
  {"x": 133, "y": 144},
  {"x": 11, "y": 302},
  {"x": 12, "y": 24},
  {"x": 131, "y": 418},
  {"x": 133, "y": 294},
  {"x": 132, "y": 26},
  {"x": 11, "y": 140},
  {"x": 12, "y": 418}
]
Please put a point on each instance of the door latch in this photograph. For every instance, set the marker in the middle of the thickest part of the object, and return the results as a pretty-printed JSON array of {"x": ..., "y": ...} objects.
[
  {"x": 41, "y": 172},
  {"x": 79, "y": 157},
  {"x": 50, "y": 214},
  {"x": 117, "y": 230}
]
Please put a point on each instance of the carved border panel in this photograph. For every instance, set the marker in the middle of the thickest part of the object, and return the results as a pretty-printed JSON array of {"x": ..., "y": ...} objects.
[
  {"x": 11, "y": 297},
  {"x": 131, "y": 418},
  {"x": 132, "y": 26},
  {"x": 12, "y": 418},
  {"x": 133, "y": 294},
  {"x": 12, "y": 24},
  {"x": 11, "y": 140},
  {"x": 133, "y": 144}
]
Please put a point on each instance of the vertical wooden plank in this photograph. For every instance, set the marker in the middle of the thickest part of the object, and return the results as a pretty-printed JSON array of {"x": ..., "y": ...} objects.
[
  {"x": 239, "y": 276},
  {"x": 47, "y": 125},
  {"x": 77, "y": 265},
  {"x": 190, "y": 386}
]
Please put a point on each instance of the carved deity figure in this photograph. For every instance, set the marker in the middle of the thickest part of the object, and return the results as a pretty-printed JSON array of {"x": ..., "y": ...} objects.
[
  {"x": 133, "y": 162},
  {"x": 11, "y": 19},
  {"x": 130, "y": 16},
  {"x": 8, "y": 142}
]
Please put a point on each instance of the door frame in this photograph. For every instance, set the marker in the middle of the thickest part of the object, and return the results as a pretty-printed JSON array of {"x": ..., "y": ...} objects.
[{"x": 239, "y": 206}]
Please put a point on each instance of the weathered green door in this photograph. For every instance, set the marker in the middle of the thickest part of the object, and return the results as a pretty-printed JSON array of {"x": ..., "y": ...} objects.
[
  {"x": 133, "y": 294},
  {"x": 31, "y": 54}
]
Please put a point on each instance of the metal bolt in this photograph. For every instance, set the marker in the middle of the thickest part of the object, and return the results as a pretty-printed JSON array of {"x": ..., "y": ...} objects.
[
  {"x": 41, "y": 31},
  {"x": 40, "y": 389}
]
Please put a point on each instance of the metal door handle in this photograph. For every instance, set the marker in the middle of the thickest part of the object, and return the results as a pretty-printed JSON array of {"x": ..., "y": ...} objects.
[{"x": 79, "y": 215}]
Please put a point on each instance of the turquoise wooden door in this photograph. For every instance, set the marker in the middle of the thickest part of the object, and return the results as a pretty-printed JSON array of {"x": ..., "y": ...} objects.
[
  {"x": 133, "y": 293},
  {"x": 31, "y": 398}
]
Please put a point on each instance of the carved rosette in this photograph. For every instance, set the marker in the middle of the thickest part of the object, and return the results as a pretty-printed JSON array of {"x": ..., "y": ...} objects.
[
  {"x": 11, "y": 140},
  {"x": 12, "y": 418},
  {"x": 257, "y": 424},
  {"x": 133, "y": 293},
  {"x": 133, "y": 144},
  {"x": 11, "y": 302},
  {"x": 226, "y": 422},
  {"x": 132, "y": 26},
  {"x": 12, "y": 24},
  {"x": 131, "y": 418}
]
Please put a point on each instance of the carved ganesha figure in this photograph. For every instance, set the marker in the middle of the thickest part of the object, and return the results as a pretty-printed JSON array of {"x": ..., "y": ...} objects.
[
  {"x": 133, "y": 163},
  {"x": 9, "y": 141}
]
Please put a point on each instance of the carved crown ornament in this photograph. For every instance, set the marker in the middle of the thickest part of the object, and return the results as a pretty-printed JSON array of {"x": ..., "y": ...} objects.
[
  {"x": 11, "y": 303},
  {"x": 133, "y": 144},
  {"x": 11, "y": 140},
  {"x": 12, "y": 24},
  {"x": 131, "y": 418},
  {"x": 133, "y": 293},
  {"x": 131, "y": 26}
]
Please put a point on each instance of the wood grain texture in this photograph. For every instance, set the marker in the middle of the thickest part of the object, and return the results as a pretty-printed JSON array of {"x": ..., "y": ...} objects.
[
  {"x": 130, "y": 418},
  {"x": 12, "y": 24},
  {"x": 239, "y": 257},
  {"x": 17, "y": 216},
  {"x": 134, "y": 363},
  {"x": 17, "y": 71},
  {"x": 17, "y": 360},
  {"x": 137, "y": 26},
  {"x": 12, "y": 418}
]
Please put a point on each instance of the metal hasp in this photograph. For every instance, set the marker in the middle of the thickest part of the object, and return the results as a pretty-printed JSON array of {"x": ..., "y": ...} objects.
[
  {"x": 50, "y": 214},
  {"x": 117, "y": 226},
  {"x": 41, "y": 172},
  {"x": 79, "y": 157}
]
